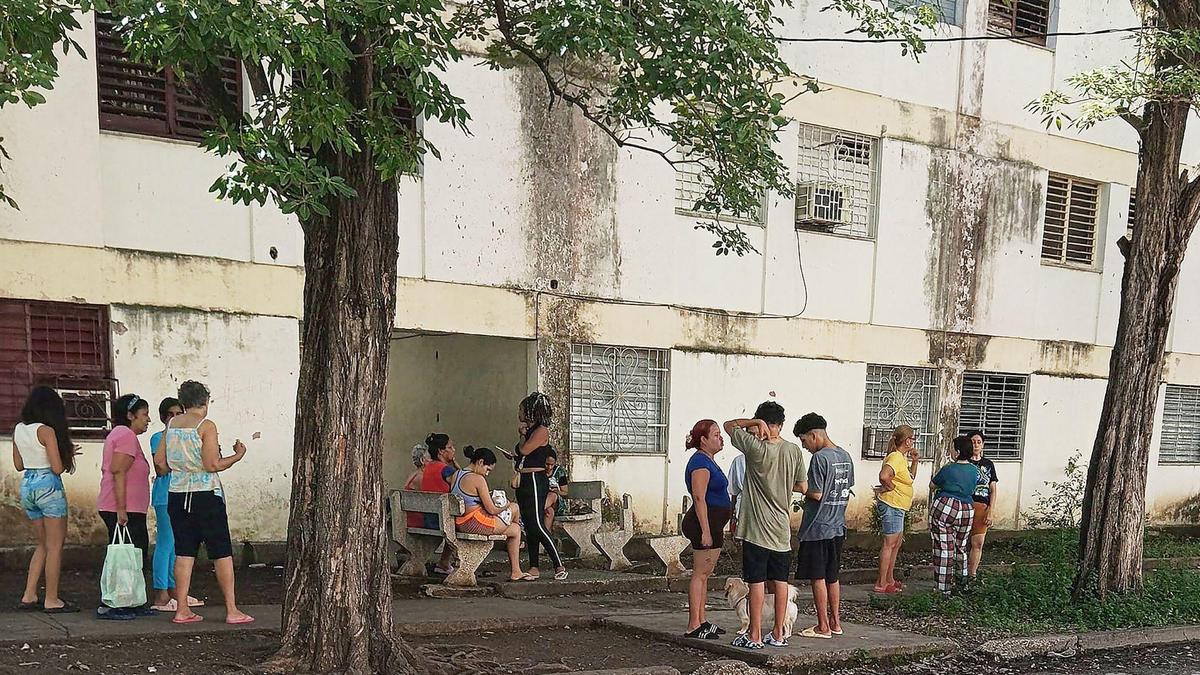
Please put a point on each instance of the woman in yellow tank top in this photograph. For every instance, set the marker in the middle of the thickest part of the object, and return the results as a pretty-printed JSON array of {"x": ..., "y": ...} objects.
[{"x": 895, "y": 495}]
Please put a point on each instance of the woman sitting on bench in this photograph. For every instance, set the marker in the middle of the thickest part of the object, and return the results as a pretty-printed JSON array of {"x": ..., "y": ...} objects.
[{"x": 481, "y": 515}]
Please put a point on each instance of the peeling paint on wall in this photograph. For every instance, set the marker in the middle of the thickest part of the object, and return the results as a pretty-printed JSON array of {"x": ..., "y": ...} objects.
[{"x": 570, "y": 226}]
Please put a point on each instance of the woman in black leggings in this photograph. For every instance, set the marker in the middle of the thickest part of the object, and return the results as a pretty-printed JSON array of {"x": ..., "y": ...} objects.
[{"x": 534, "y": 414}]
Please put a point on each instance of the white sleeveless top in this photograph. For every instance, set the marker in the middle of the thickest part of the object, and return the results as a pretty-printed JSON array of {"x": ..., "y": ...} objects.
[{"x": 33, "y": 453}]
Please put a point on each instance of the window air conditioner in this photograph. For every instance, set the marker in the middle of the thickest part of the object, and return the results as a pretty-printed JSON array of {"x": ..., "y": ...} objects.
[{"x": 820, "y": 206}]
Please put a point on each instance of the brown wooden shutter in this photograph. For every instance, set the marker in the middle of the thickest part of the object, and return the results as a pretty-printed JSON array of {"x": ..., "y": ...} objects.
[
  {"x": 138, "y": 98},
  {"x": 16, "y": 374},
  {"x": 61, "y": 345},
  {"x": 133, "y": 96}
]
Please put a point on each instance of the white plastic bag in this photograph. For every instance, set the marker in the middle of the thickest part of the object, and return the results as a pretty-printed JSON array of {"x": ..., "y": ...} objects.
[
  {"x": 121, "y": 582},
  {"x": 500, "y": 499}
]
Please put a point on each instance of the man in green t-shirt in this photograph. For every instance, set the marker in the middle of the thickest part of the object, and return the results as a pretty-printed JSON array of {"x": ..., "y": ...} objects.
[{"x": 774, "y": 469}]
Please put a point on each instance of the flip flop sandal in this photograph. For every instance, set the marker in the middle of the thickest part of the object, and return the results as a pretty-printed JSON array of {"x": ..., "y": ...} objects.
[
  {"x": 193, "y": 602},
  {"x": 240, "y": 621},
  {"x": 835, "y": 632},
  {"x": 171, "y": 606},
  {"x": 111, "y": 614},
  {"x": 560, "y": 575},
  {"x": 523, "y": 577},
  {"x": 699, "y": 632},
  {"x": 717, "y": 629},
  {"x": 67, "y": 608},
  {"x": 195, "y": 618},
  {"x": 744, "y": 642},
  {"x": 812, "y": 633},
  {"x": 29, "y": 606}
]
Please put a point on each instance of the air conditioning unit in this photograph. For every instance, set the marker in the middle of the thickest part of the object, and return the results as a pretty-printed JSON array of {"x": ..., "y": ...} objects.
[{"x": 821, "y": 206}]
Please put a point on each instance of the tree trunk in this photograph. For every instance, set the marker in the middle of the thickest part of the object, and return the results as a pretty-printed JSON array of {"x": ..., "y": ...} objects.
[
  {"x": 1114, "y": 504},
  {"x": 337, "y": 608}
]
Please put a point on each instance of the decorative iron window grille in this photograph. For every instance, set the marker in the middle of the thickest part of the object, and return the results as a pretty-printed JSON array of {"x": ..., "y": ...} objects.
[
  {"x": 1072, "y": 219},
  {"x": 61, "y": 345},
  {"x": 898, "y": 395},
  {"x": 691, "y": 186},
  {"x": 618, "y": 400},
  {"x": 995, "y": 404},
  {"x": 1180, "y": 439},
  {"x": 836, "y": 182}
]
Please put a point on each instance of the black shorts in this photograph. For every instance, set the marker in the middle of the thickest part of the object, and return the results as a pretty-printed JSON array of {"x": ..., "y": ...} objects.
[
  {"x": 821, "y": 559},
  {"x": 762, "y": 564},
  {"x": 199, "y": 518},
  {"x": 718, "y": 518}
]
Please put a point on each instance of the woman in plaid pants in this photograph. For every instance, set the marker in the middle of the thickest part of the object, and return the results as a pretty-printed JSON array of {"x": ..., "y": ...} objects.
[{"x": 950, "y": 515}]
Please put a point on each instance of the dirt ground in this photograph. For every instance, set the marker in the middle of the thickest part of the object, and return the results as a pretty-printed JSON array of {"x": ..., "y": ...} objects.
[{"x": 528, "y": 653}]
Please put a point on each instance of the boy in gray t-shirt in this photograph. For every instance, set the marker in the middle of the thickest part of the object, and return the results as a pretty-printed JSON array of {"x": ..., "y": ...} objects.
[{"x": 823, "y": 529}]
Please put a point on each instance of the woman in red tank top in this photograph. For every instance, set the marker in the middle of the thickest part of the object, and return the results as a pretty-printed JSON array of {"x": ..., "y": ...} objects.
[{"x": 435, "y": 476}]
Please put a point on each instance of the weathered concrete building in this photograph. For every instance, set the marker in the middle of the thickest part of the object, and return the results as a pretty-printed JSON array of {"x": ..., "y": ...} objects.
[{"x": 948, "y": 263}]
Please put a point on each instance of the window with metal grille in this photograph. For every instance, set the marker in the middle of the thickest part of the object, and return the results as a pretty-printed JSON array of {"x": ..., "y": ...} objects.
[
  {"x": 62, "y": 345},
  {"x": 835, "y": 182},
  {"x": 1027, "y": 20},
  {"x": 691, "y": 185},
  {"x": 898, "y": 395},
  {"x": 1180, "y": 440},
  {"x": 1072, "y": 209},
  {"x": 947, "y": 10},
  {"x": 141, "y": 99},
  {"x": 994, "y": 403},
  {"x": 618, "y": 400},
  {"x": 1132, "y": 212}
]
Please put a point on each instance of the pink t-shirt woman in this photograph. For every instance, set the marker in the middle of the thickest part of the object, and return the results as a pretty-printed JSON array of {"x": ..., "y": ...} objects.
[{"x": 137, "y": 478}]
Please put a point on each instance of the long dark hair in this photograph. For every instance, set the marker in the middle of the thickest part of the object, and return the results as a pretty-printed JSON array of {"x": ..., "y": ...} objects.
[{"x": 45, "y": 406}]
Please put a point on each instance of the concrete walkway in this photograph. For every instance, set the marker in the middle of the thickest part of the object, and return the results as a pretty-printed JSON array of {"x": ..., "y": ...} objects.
[{"x": 660, "y": 615}]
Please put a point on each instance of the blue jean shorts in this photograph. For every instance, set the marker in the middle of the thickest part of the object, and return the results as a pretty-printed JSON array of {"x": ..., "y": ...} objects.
[
  {"x": 42, "y": 494},
  {"x": 891, "y": 519}
]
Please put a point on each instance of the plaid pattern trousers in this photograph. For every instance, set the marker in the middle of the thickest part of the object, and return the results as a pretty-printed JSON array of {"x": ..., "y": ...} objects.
[{"x": 950, "y": 527}]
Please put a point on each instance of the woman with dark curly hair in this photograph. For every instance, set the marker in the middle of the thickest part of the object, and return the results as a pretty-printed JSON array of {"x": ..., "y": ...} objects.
[{"x": 535, "y": 414}]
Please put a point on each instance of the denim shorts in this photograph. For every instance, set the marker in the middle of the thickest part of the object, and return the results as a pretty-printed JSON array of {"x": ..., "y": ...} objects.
[
  {"x": 42, "y": 494},
  {"x": 891, "y": 519}
]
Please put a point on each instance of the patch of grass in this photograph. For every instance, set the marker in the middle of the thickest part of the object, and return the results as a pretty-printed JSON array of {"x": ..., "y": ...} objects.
[{"x": 1038, "y": 599}]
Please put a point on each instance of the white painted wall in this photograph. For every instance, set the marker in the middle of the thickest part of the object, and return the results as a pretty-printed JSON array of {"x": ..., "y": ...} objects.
[{"x": 250, "y": 363}]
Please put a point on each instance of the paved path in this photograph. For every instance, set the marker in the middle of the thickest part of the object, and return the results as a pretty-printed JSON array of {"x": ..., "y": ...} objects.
[{"x": 659, "y": 614}]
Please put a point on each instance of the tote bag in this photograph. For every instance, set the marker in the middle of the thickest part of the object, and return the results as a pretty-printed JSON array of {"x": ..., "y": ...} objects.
[{"x": 121, "y": 581}]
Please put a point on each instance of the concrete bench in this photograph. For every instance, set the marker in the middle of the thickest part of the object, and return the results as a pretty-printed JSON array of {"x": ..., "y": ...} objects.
[
  {"x": 669, "y": 547},
  {"x": 580, "y": 528},
  {"x": 421, "y": 542}
]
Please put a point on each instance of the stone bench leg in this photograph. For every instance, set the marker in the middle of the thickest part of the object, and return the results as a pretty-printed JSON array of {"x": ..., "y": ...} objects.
[
  {"x": 580, "y": 532},
  {"x": 420, "y": 551},
  {"x": 612, "y": 544},
  {"x": 471, "y": 555},
  {"x": 668, "y": 549}
]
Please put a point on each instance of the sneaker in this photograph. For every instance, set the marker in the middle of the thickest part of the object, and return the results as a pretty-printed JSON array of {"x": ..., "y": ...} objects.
[
  {"x": 772, "y": 642},
  {"x": 745, "y": 642}
]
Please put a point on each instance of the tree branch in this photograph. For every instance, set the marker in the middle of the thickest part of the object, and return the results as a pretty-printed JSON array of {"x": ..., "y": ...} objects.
[
  {"x": 1136, "y": 121},
  {"x": 556, "y": 91}
]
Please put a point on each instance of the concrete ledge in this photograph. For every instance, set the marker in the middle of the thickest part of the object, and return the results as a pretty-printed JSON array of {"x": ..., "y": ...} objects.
[
  {"x": 860, "y": 641},
  {"x": 1072, "y": 643},
  {"x": 581, "y": 582},
  {"x": 680, "y": 584}
]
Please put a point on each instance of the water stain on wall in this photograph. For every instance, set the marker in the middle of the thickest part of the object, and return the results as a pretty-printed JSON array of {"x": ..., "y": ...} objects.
[{"x": 570, "y": 216}]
